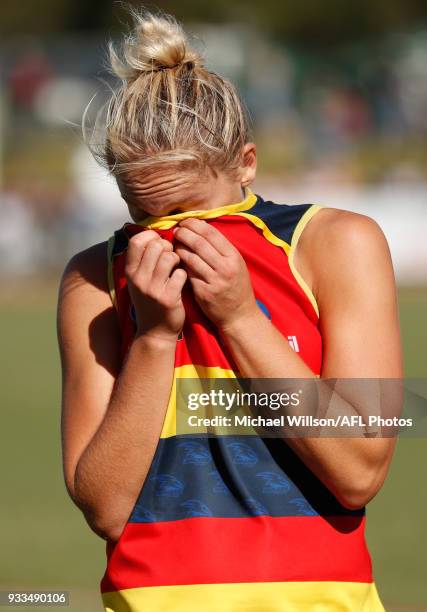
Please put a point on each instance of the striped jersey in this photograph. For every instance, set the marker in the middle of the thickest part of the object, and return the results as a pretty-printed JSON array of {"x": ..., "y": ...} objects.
[{"x": 230, "y": 523}]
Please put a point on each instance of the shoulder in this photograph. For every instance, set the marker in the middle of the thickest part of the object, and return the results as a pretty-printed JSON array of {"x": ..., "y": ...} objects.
[
  {"x": 87, "y": 267},
  {"x": 83, "y": 290},
  {"x": 333, "y": 233},
  {"x": 341, "y": 248},
  {"x": 87, "y": 325},
  {"x": 344, "y": 228}
]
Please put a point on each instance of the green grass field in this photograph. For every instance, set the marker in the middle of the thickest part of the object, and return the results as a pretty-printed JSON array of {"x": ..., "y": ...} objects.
[{"x": 45, "y": 542}]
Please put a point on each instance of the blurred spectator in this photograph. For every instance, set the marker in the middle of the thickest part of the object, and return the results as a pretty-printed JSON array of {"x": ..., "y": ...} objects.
[{"x": 29, "y": 73}]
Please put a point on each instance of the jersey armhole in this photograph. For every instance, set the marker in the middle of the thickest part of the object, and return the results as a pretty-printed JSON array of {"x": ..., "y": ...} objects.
[
  {"x": 110, "y": 272},
  {"x": 302, "y": 223}
]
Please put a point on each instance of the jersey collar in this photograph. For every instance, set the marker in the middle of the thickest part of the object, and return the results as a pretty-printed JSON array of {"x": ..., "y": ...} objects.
[{"x": 168, "y": 221}]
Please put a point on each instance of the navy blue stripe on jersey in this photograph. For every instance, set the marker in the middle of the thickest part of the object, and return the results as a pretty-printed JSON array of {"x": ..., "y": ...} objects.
[
  {"x": 120, "y": 242},
  {"x": 231, "y": 476},
  {"x": 281, "y": 219}
]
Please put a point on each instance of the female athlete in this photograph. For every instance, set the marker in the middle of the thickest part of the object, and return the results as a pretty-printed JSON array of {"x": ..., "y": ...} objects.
[{"x": 209, "y": 280}]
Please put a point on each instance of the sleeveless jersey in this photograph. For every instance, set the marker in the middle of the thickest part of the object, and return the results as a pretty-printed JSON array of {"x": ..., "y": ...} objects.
[{"x": 235, "y": 523}]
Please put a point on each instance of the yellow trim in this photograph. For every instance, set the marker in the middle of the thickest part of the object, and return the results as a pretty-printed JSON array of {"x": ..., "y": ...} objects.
[
  {"x": 110, "y": 274},
  {"x": 295, "y": 238},
  {"x": 253, "y": 596},
  {"x": 168, "y": 221},
  {"x": 268, "y": 234},
  {"x": 188, "y": 371}
]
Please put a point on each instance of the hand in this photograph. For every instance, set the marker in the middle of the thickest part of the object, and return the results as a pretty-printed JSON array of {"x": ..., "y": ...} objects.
[
  {"x": 154, "y": 286},
  {"x": 217, "y": 272}
]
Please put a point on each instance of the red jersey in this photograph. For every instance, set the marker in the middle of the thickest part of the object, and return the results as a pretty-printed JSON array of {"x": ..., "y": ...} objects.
[{"x": 236, "y": 522}]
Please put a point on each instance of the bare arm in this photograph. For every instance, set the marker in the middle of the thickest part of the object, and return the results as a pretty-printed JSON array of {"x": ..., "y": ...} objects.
[
  {"x": 112, "y": 416},
  {"x": 346, "y": 259}
]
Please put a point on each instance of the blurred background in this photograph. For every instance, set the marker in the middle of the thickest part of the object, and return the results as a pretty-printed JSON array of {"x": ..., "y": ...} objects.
[{"x": 337, "y": 92}]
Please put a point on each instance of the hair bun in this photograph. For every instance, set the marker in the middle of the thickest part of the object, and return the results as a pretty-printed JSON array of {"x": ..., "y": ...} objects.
[{"x": 155, "y": 43}]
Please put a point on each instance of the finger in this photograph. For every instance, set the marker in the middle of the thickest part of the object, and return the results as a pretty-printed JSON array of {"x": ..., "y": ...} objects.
[
  {"x": 149, "y": 260},
  {"x": 176, "y": 282},
  {"x": 199, "y": 245},
  {"x": 136, "y": 248},
  {"x": 165, "y": 264},
  {"x": 166, "y": 244},
  {"x": 199, "y": 286},
  {"x": 194, "y": 263},
  {"x": 211, "y": 234}
]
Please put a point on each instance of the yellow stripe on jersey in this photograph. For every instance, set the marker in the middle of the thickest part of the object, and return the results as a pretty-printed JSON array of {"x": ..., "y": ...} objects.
[
  {"x": 295, "y": 238},
  {"x": 267, "y": 233},
  {"x": 111, "y": 286},
  {"x": 254, "y": 597},
  {"x": 194, "y": 372}
]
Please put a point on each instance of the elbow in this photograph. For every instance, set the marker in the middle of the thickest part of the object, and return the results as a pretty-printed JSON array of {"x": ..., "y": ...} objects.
[
  {"x": 107, "y": 527},
  {"x": 358, "y": 492},
  {"x": 105, "y": 519},
  {"x": 355, "y": 499}
]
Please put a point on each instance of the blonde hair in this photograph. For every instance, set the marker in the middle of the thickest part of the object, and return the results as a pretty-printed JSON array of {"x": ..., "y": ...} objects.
[{"x": 168, "y": 108}]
